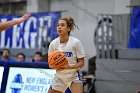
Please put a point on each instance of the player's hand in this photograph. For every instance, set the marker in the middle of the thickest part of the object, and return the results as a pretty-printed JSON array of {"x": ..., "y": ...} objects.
[
  {"x": 67, "y": 66},
  {"x": 26, "y": 16},
  {"x": 23, "y": 18}
]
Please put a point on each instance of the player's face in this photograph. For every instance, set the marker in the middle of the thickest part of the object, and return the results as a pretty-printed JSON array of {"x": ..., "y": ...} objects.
[{"x": 62, "y": 28}]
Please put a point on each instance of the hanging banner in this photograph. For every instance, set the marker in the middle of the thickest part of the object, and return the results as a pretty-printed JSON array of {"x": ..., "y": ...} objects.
[
  {"x": 33, "y": 33},
  {"x": 134, "y": 40}
]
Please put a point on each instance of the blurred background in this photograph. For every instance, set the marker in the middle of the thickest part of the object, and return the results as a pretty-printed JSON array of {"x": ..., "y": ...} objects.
[{"x": 85, "y": 12}]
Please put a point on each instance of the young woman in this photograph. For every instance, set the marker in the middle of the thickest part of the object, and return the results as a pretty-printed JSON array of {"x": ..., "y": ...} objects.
[
  {"x": 70, "y": 75},
  {"x": 11, "y": 23}
]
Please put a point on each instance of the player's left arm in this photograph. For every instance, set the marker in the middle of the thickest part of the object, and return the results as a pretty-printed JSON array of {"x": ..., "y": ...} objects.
[{"x": 80, "y": 64}]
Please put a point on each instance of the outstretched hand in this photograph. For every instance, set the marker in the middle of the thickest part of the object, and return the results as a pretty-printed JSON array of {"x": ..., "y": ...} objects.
[
  {"x": 26, "y": 16},
  {"x": 23, "y": 18},
  {"x": 8, "y": 24}
]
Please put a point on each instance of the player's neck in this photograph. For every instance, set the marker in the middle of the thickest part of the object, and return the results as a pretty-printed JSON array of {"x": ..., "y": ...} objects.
[{"x": 64, "y": 39}]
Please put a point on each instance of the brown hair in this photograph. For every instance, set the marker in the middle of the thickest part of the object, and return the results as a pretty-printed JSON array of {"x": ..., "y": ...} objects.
[
  {"x": 21, "y": 54},
  {"x": 70, "y": 23}
]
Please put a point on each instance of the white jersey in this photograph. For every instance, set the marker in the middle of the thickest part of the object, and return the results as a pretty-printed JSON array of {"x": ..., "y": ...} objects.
[{"x": 73, "y": 49}]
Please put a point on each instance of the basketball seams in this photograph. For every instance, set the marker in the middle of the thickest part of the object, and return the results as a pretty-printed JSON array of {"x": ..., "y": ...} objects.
[
  {"x": 57, "y": 60},
  {"x": 54, "y": 55},
  {"x": 62, "y": 63}
]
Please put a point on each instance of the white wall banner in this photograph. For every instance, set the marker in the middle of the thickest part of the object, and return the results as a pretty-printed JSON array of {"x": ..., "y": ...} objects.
[
  {"x": 1, "y": 75},
  {"x": 29, "y": 80}
]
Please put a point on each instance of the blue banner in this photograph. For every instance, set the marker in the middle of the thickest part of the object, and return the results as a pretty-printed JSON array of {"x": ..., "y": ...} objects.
[
  {"x": 33, "y": 33},
  {"x": 134, "y": 40}
]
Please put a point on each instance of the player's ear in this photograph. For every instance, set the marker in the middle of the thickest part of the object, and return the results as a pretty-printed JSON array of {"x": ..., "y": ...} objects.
[{"x": 68, "y": 29}]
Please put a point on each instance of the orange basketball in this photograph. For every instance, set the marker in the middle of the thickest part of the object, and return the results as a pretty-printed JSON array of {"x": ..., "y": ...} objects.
[{"x": 57, "y": 59}]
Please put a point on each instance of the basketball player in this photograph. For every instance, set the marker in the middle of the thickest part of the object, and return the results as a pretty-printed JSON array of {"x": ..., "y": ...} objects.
[
  {"x": 8, "y": 24},
  {"x": 70, "y": 75}
]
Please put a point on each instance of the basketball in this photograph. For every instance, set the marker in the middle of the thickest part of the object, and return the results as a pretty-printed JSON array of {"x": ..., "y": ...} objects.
[{"x": 57, "y": 60}]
